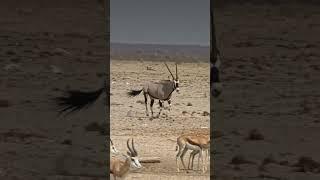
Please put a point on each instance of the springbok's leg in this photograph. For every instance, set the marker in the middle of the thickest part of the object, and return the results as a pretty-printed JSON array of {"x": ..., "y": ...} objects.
[
  {"x": 151, "y": 104},
  {"x": 178, "y": 155},
  {"x": 146, "y": 103},
  {"x": 189, "y": 160},
  {"x": 181, "y": 157},
  {"x": 202, "y": 162},
  {"x": 192, "y": 154},
  {"x": 197, "y": 152},
  {"x": 207, "y": 159},
  {"x": 169, "y": 102}
]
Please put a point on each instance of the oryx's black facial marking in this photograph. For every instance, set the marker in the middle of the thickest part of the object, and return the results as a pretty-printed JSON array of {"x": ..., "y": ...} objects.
[{"x": 176, "y": 83}]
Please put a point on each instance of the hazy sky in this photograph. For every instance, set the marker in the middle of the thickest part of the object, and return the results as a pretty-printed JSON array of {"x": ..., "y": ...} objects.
[{"x": 160, "y": 21}]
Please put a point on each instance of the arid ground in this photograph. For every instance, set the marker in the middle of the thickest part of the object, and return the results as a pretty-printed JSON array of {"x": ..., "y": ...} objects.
[{"x": 157, "y": 137}]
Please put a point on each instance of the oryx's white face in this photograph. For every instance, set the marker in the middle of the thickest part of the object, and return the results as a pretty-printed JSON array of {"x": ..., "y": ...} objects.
[
  {"x": 176, "y": 85},
  {"x": 135, "y": 162}
]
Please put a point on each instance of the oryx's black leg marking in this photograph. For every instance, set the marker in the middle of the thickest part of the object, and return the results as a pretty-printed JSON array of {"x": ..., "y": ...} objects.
[
  {"x": 151, "y": 104},
  {"x": 169, "y": 102},
  {"x": 160, "y": 103},
  {"x": 161, "y": 106},
  {"x": 146, "y": 103}
]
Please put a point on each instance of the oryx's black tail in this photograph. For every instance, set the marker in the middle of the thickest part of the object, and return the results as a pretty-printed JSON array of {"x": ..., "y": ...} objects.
[
  {"x": 75, "y": 100},
  {"x": 133, "y": 93}
]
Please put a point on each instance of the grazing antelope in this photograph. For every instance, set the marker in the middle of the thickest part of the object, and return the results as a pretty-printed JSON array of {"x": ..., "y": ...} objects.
[
  {"x": 119, "y": 168},
  {"x": 197, "y": 143},
  {"x": 161, "y": 91}
]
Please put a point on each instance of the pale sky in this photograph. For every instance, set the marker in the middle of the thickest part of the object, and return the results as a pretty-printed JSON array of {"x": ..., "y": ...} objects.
[{"x": 160, "y": 21}]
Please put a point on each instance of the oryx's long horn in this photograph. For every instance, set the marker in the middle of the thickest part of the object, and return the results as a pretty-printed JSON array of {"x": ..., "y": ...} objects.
[
  {"x": 131, "y": 151},
  {"x": 169, "y": 70},
  {"x": 134, "y": 149},
  {"x": 176, "y": 71}
]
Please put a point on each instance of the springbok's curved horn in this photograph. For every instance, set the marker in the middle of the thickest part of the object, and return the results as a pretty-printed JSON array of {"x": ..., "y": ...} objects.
[
  {"x": 176, "y": 71},
  {"x": 134, "y": 149},
  {"x": 131, "y": 152},
  {"x": 111, "y": 142},
  {"x": 169, "y": 70}
]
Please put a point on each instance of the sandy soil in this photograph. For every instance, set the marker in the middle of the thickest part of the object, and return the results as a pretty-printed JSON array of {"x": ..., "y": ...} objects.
[{"x": 157, "y": 137}]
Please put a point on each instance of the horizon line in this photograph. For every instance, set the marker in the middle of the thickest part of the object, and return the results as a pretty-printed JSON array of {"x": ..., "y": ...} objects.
[{"x": 142, "y": 43}]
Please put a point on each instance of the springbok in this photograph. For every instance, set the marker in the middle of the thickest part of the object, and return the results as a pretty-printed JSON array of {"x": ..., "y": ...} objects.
[
  {"x": 119, "y": 168},
  {"x": 161, "y": 91},
  {"x": 195, "y": 142}
]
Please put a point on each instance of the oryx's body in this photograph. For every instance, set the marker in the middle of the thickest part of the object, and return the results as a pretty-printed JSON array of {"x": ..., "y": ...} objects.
[{"x": 161, "y": 91}]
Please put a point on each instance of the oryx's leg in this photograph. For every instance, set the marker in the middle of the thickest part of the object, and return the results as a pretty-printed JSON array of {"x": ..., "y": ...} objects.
[
  {"x": 151, "y": 104},
  {"x": 146, "y": 103},
  {"x": 169, "y": 102},
  {"x": 161, "y": 103}
]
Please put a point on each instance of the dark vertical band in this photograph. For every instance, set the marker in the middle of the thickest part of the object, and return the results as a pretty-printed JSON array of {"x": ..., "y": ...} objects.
[{"x": 107, "y": 83}]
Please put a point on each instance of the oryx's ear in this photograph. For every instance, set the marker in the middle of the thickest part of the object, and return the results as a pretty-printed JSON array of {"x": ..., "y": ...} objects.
[{"x": 129, "y": 154}]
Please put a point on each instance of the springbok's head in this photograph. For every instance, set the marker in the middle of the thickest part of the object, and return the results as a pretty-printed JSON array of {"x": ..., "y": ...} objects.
[
  {"x": 113, "y": 148},
  {"x": 174, "y": 79},
  {"x": 215, "y": 78},
  {"x": 133, "y": 155}
]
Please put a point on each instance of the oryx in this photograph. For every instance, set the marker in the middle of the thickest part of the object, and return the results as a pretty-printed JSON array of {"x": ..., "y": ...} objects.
[{"x": 161, "y": 91}]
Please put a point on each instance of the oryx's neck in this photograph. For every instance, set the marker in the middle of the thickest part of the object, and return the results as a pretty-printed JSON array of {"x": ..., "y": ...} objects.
[{"x": 171, "y": 89}]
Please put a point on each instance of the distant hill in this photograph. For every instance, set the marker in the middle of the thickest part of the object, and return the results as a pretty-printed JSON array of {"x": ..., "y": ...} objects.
[{"x": 159, "y": 52}]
